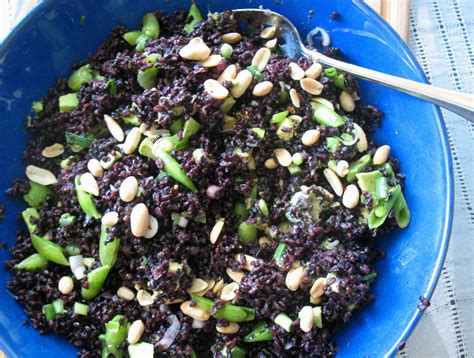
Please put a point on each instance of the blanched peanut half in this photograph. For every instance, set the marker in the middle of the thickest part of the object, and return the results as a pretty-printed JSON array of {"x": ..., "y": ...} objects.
[
  {"x": 236, "y": 276},
  {"x": 294, "y": 277},
  {"x": 351, "y": 196},
  {"x": 296, "y": 72},
  {"x": 110, "y": 219},
  {"x": 89, "y": 184},
  {"x": 317, "y": 289},
  {"x": 228, "y": 74},
  {"x": 211, "y": 61},
  {"x": 135, "y": 331},
  {"x": 218, "y": 287},
  {"x": 40, "y": 175},
  {"x": 95, "y": 168},
  {"x": 271, "y": 43},
  {"x": 128, "y": 189},
  {"x": 144, "y": 298},
  {"x": 311, "y": 86},
  {"x": 342, "y": 168},
  {"x": 231, "y": 38},
  {"x": 132, "y": 140},
  {"x": 194, "y": 312},
  {"x": 248, "y": 261},
  {"x": 229, "y": 292},
  {"x": 381, "y": 154},
  {"x": 346, "y": 101},
  {"x": 362, "y": 144},
  {"x": 152, "y": 228},
  {"x": 271, "y": 163},
  {"x": 314, "y": 71},
  {"x": 306, "y": 318},
  {"x": 295, "y": 99},
  {"x": 243, "y": 79},
  {"x": 268, "y": 32},
  {"x": 261, "y": 58},
  {"x": 231, "y": 328},
  {"x": 195, "y": 50},
  {"x": 125, "y": 293},
  {"x": 262, "y": 88},
  {"x": 114, "y": 128},
  {"x": 215, "y": 89},
  {"x": 197, "y": 285},
  {"x": 216, "y": 230},
  {"x": 53, "y": 151},
  {"x": 65, "y": 285},
  {"x": 283, "y": 156},
  {"x": 333, "y": 181},
  {"x": 139, "y": 220},
  {"x": 310, "y": 137}
]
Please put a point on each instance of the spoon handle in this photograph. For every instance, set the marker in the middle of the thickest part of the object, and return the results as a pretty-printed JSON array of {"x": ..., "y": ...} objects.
[{"x": 458, "y": 102}]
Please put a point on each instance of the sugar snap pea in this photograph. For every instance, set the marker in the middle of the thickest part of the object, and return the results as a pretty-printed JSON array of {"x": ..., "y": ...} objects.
[
  {"x": 32, "y": 263},
  {"x": 195, "y": 16},
  {"x": 27, "y": 214},
  {"x": 115, "y": 334},
  {"x": 108, "y": 250},
  {"x": 85, "y": 200},
  {"x": 229, "y": 312},
  {"x": 260, "y": 333},
  {"x": 49, "y": 250},
  {"x": 358, "y": 166},
  {"x": 171, "y": 166},
  {"x": 151, "y": 26},
  {"x": 327, "y": 116},
  {"x": 37, "y": 194},
  {"x": 95, "y": 279}
]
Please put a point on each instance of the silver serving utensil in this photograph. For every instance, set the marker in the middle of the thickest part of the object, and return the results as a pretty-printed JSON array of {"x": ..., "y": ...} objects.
[{"x": 458, "y": 102}]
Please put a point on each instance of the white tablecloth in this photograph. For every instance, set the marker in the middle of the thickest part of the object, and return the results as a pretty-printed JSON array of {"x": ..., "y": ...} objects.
[{"x": 441, "y": 37}]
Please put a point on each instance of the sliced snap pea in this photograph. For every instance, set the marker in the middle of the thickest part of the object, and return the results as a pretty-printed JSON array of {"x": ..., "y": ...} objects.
[
  {"x": 152, "y": 57},
  {"x": 147, "y": 78},
  {"x": 229, "y": 312},
  {"x": 49, "y": 312},
  {"x": 108, "y": 251},
  {"x": 235, "y": 352},
  {"x": 68, "y": 102},
  {"x": 374, "y": 220},
  {"x": 195, "y": 16},
  {"x": 256, "y": 73},
  {"x": 115, "y": 333},
  {"x": 402, "y": 213},
  {"x": 171, "y": 167},
  {"x": 146, "y": 148},
  {"x": 318, "y": 316},
  {"x": 49, "y": 250},
  {"x": 327, "y": 116},
  {"x": 111, "y": 85},
  {"x": 27, "y": 214},
  {"x": 132, "y": 37},
  {"x": 37, "y": 194},
  {"x": 85, "y": 200},
  {"x": 262, "y": 205},
  {"x": 279, "y": 253},
  {"x": 357, "y": 167},
  {"x": 226, "y": 51},
  {"x": 260, "y": 333},
  {"x": 81, "y": 308},
  {"x": 73, "y": 249},
  {"x": 177, "y": 125},
  {"x": 190, "y": 128},
  {"x": 32, "y": 263},
  {"x": 67, "y": 219},
  {"x": 151, "y": 26},
  {"x": 381, "y": 188},
  {"x": 368, "y": 181},
  {"x": 284, "y": 321},
  {"x": 279, "y": 117},
  {"x": 247, "y": 233},
  {"x": 95, "y": 279},
  {"x": 333, "y": 143},
  {"x": 80, "y": 76},
  {"x": 141, "y": 42},
  {"x": 370, "y": 277},
  {"x": 132, "y": 120}
]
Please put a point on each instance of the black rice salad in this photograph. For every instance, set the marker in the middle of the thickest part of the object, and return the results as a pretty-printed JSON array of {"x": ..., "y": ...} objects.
[{"x": 193, "y": 192}]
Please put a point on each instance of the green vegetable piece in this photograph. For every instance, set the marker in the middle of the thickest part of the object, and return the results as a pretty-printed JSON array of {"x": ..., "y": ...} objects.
[
  {"x": 146, "y": 148},
  {"x": 295, "y": 169},
  {"x": 402, "y": 213},
  {"x": 49, "y": 250},
  {"x": 82, "y": 20},
  {"x": 190, "y": 128},
  {"x": 375, "y": 221},
  {"x": 327, "y": 116},
  {"x": 337, "y": 77},
  {"x": 297, "y": 158},
  {"x": 85, "y": 200},
  {"x": 285, "y": 129},
  {"x": 284, "y": 96},
  {"x": 256, "y": 73},
  {"x": 229, "y": 312},
  {"x": 227, "y": 105},
  {"x": 226, "y": 51},
  {"x": 259, "y": 132},
  {"x": 96, "y": 279},
  {"x": 380, "y": 211},
  {"x": 37, "y": 106},
  {"x": 147, "y": 78},
  {"x": 333, "y": 143},
  {"x": 358, "y": 166},
  {"x": 67, "y": 219},
  {"x": 73, "y": 249},
  {"x": 132, "y": 120},
  {"x": 37, "y": 194},
  {"x": 247, "y": 233},
  {"x": 49, "y": 312},
  {"x": 332, "y": 164},
  {"x": 111, "y": 85},
  {"x": 241, "y": 210},
  {"x": 80, "y": 76},
  {"x": 132, "y": 37},
  {"x": 108, "y": 251},
  {"x": 58, "y": 306},
  {"x": 151, "y": 26},
  {"x": 279, "y": 117},
  {"x": 81, "y": 309},
  {"x": 279, "y": 253},
  {"x": 262, "y": 205},
  {"x": 171, "y": 167},
  {"x": 193, "y": 354},
  {"x": 27, "y": 214},
  {"x": 370, "y": 277},
  {"x": 115, "y": 334},
  {"x": 318, "y": 316},
  {"x": 368, "y": 181},
  {"x": 79, "y": 141},
  {"x": 381, "y": 188},
  {"x": 141, "y": 42},
  {"x": 142, "y": 350},
  {"x": 68, "y": 102},
  {"x": 176, "y": 126},
  {"x": 235, "y": 352},
  {"x": 229, "y": 124},
  {"x": 195, "y": 16},
  {"x": 32, "y": 263},
  {"x": 284, "y": 321},
  {"x": 388, "y": 171},
  {"x": 152, "y": 57},
  {"x": 260, "y": 333}
]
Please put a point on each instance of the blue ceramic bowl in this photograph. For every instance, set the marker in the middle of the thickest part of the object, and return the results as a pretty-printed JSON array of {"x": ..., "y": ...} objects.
[{"x": 51, "y": 38}]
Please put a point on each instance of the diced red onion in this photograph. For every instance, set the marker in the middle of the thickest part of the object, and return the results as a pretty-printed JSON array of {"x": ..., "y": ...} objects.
[
  {"x": 171, "y": 332},
  {"x": 325, "y": 39}
]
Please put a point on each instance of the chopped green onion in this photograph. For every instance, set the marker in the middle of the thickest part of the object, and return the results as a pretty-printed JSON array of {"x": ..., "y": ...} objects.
[
  {"x": 284, "y": 96},
  {"x": 58, "y": 306},
  {"x": 67, "y": 219},
  {"x": 318, "y": 316},
  {"x": 68, "y": 102},
  {"x": 152, "y": 58},
  {"x": 37, "y": 194},
  {"x": 37, "y": 106},
  {"x": 247, "y": 233},
  {"x": 279, "y": 117},
  {"x": 81, "y": 309},
  {"x": 295, "y": 169},
  {"x": 285, "y": 129},
  {"x": 147, "y": 78},
  {"x": 279, "y": 253},
  {"x": 227, "y": 105},
  {"x": 333, "y": 143},
  {"x": 49, "y": 312},
  {"x": 284, "y": 321},
  {"x": 256, "y": 73},
  {"x": 151, "y": 26},
  {"x": 297, "y": 158},
  {"x": 358, "y": 166},
  {"x": 132, "y": 37},
  {"x": 226, "y": 51},
  {"x": 195, "y": 16},
  {"x": 235, "y": 352},
  {"x": 327, "y": 116},
  {"x": 370, "y": 277}
]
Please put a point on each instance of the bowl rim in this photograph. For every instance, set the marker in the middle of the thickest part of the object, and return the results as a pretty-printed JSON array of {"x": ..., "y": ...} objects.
[{"x": 440, "y": 124}]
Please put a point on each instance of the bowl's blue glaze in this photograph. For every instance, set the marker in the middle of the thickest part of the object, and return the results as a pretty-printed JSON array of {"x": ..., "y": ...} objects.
[{"x": 50, "y": 39}]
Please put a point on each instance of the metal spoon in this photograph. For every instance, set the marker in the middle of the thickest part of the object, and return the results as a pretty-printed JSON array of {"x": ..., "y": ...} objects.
[{"x": 460, "y": 103}]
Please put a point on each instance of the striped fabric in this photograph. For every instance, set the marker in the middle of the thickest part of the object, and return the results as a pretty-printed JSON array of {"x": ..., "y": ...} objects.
[{"x": 441, "y": 35}]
